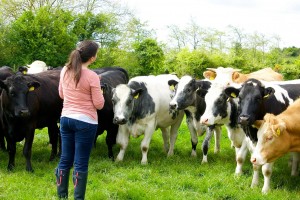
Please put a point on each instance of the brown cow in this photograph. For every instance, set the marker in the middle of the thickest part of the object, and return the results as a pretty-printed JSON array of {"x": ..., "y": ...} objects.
[
  {"x": 233, "y": 75},
  {"x": 278, "y": 135}
]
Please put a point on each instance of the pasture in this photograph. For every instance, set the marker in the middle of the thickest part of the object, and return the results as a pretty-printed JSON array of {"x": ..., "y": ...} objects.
[{"x": 178, "y": 177}]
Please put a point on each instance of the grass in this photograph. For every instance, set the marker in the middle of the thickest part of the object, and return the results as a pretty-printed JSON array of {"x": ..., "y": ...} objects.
[{"x": 178, "y": 177}]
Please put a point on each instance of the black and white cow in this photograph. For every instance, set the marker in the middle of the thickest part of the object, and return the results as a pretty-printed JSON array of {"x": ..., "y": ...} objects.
[
  {"x": 30, "y": 102},
  {"x": 186, "y": 98},
  {"x": 222, "y": 110},
  {"x": 110, "y": 78},
  {"x": 142, "y": 106},
  {"x": 256, "y": 98}
]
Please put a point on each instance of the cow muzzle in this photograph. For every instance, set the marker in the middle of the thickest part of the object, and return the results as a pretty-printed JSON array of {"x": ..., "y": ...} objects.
[
  {"x": 23, "y": 113},
  {"x": 244, "y": 119},
  {"x": 173, "y": 106},
  {"x": 120, "y": 121}
]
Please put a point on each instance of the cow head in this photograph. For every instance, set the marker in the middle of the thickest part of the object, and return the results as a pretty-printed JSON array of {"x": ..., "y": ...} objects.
[
  {"x": 216, "y": 111},
  {"x": 14, "y": 97},
  {"x": 273, "y": 141},
  {"x": 185, "y": 92},
  {"x": 123, "y": 101},
  {"x": 251, "y": 96}
]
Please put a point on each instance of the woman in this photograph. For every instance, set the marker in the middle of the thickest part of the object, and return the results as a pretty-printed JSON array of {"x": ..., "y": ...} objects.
[{"x": 79, "y": 87}]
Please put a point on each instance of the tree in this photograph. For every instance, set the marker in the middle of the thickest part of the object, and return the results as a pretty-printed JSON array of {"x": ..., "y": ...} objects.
[
  {"x": 150, "y": 57},
  {"x": 43, "y": 35},
  {"x": 178, "y": 35}
]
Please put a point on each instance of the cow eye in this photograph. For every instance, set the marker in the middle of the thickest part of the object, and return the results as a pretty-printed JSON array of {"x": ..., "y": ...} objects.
[
  {"x": 269, "y": 138},
  {"x": 189, "y": 90}
]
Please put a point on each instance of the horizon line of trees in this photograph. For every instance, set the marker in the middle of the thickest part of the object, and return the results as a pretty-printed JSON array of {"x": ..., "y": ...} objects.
[{"x": 48, "y": 30}]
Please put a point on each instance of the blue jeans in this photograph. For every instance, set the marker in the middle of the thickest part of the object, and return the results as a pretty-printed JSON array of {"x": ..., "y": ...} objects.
[{"x": 77, "y": 139}]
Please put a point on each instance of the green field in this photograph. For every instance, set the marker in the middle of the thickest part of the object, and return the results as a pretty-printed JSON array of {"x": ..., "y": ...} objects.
[{"x": 178, "y": 177}]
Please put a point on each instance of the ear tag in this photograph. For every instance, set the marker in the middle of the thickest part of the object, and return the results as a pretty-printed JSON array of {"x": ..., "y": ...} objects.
[
  {"x": 31, "y": 88},
  {"x": 266, "y": 96},
  {"x": 233, "y": 95},
  {"x": 24, "y": 72},
  {"x": 172, "y": 87},
  {"x": 278, "y": 132},
  {"x": 136, "y": 96},
  {"x": 211, "y": 78}
]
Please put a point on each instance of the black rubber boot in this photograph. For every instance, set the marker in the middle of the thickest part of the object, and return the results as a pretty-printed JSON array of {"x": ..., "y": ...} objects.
[
  {"x": 79, "y": 180},
  {"x": 62, "y": 182}
]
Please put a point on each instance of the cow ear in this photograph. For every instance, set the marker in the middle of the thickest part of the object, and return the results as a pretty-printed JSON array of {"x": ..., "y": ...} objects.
[
  {"x": 235, "y": 76},
  {"x": 268, "y": 91},
  {"x": 136, "y": 93},
  {"x": 232, "y": 92},
  {"x": 210, "y": 75},
  {"x": 33, "y": 85},
  {"x": 172, "y": 84},
  {"x": 257, "y": 124},
  {"x": 3, "y": 86},
  {"x": 201, "y": 92}
]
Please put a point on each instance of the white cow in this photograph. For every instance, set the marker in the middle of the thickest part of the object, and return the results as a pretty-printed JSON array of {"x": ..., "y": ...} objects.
[
  {"x": 142, "y": 106},
  {"x": 37, "y": 67}
]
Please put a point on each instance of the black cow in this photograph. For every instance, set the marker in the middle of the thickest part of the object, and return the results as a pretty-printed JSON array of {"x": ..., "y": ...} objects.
[
  {"x": 256, "y": 98},
  {"x": 5, "y": 72},
  {"x": 30, "y": 102},
  {"x": 190, "y": 98},
  {"x": 110, "y": 78}
]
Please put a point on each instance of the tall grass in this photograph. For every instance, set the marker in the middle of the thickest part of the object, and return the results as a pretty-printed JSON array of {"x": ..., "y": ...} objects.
[{"x": 178, "y": 177}]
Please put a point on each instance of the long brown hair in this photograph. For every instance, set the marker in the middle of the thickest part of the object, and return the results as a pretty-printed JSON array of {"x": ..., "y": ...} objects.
[{"x": 85, "y": 50}]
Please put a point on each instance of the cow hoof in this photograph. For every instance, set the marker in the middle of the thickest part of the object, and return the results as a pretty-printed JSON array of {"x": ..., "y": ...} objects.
[
  {"x": 204, "y": 161},
  {"x": 52, "y": 157},
  {"x": 29, "y": 170},
  {"x": 144, "y": 162},
  {"x": 10, "y": 167},
  {"x": 194, "y": 154},
  {"x": 118, "y": 160}
]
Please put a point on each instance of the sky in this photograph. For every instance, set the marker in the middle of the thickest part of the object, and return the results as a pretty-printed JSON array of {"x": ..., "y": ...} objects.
[{"x": 268, "y": 17}]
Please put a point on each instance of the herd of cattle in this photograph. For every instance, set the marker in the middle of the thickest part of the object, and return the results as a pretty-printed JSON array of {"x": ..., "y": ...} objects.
[{"x": 257, "y": 109}]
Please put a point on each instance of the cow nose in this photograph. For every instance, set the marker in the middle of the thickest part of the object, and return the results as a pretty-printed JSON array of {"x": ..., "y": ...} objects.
[
  {"x": 253, "y": 160},
  {"x": 24, "y": 113},
  {"x": 118, "y": 120},
  {"x": 173, "y": 106},
  {"x": 204, "y": 121},
  {"x": 244, "y": 119}
]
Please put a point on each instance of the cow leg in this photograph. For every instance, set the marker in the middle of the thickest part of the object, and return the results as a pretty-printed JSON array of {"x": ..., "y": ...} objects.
[
  {"x": 111, "y": 136},
  {"x": 122, "y": 141},
  {"x": 146, "y": 142},
  {"x": 295, "y": 156},
  {"x": 205, "y": 144},
  {"x": 53, "y": 133},
  {"x": 267, "y": 172},
  {"x": 241, "y": 154},
  {"x": 2, "y": 142},
  {"x": 255, "y": 178},
  {"x": 166, "y": 138},
  {"x": 27, "y": 150},
  {"x": 218, "y": 131},
  {"x": 11, "y": 147},
  {"x": 194, "y": 137},
  {"x": 174, "y": 133}
]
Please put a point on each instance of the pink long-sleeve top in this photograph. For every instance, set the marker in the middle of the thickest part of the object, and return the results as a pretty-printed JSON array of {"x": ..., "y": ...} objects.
[{"x": 84, "y": 100}]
